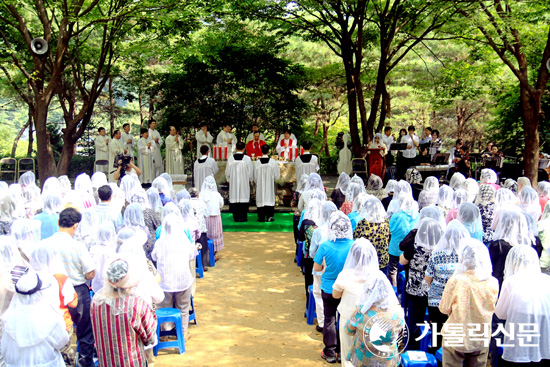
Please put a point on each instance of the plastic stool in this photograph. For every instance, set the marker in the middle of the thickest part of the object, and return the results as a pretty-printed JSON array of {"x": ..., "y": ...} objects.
[
  {"x": 169, "y": 315},
  {"x": 401, "y": 283},
  {"x": 439, "y": 355},
  {"x": 192, "y": 316},
  {"x": 211, "y": 253},
  {"x": 426, "y": 342},
  {"x": 300, "y": 254},
  {"x": 310, "y": 310},
  {"x": 429, "y": 361},
  {"x": 200, "y": 268}
]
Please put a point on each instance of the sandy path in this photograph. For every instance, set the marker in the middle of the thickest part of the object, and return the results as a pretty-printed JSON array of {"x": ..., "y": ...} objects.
[{"x": 250, "y": 309}]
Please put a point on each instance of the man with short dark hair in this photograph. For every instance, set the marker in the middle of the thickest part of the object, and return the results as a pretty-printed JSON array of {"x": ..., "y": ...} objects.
[
  {"x": 306, "y": 163},
  {"x": 104, "y": 211},
  {"x": 266, "y": 172},
  {"x": 286, "y": 144},
  {"x": 427, "y": 136},
  {"x": 80, "y": 268},
  {"x": 255, "y": 128},
  {"x": 239, "y": 173},
  {"x": 115, "y": 147},
  {"x": 388, "y": 140},
  {"x": 101, "y": 149},
  {"x": 204, "y": 167},
  {"x": 226, "y": 139}
]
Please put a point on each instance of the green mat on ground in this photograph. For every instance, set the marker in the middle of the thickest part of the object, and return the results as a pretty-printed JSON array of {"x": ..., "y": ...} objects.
[{"x": 282, "y": 223}]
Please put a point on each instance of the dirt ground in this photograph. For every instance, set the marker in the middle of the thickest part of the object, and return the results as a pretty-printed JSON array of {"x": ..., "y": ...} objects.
[{"x": 250, "y": 309}]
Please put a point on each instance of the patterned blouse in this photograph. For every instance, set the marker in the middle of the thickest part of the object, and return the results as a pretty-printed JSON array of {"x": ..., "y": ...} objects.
[
  {"x": 152, "y": 222},
  {"x": 487, "y": 212},
  {"x": 379, "y": 235},
  {"x": 416, "y": 285},
  {"x": 441, "y": 267},
  {"x": 347, "y": 207},
  {"x": 120, "y": 338},
  {"x": 358, "y": 326}
]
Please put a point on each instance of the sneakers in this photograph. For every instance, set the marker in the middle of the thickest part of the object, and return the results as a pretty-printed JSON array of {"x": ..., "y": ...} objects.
[
  {"x": 319, "y": 329},
  {"x": 328, "y": 359}
]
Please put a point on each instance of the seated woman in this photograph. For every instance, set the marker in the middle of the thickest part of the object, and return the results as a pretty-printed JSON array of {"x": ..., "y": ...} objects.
[
  {"x": 375, "y": 187},
  {"x": 489, "y": 177},
  {"x": 470, "y": 217},
  {"x": 377, "y": 298},
  {"x": 486, "y": 203},
  {"x": 353, "y": 191},
  {"x": 338, "y": 196},
  {"x": 430, "y": 191},
  {"x": 459, "y": 196}
]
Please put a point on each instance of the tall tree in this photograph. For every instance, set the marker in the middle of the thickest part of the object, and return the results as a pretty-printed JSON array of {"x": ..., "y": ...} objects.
[{"x": 519, "y": 34}]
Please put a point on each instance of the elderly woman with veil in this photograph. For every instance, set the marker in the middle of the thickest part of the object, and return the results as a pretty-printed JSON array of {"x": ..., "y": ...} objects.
[
  {"x": 376, "y": 302},
  {"x": 375, "y": 228},
  {"x": 470, "y": 217},
  {"x": 53, "y": 204},
  {"x": 214, "y": 202},
  {"x": 122, "y": 321},
  {"x": 361, "y": 263},
  {"x": 445, "y": 199},
  {"x": 163, "y": 189},
  {"x": 428, "y": 234},
  {"x": 472, "y": 188},
  {"x": 151, "y": 218},
  {"x": 543, "y": 190},
  {"x": 333, "y": 254},
  {"x": 441, "y": 266},
  {"x": 375, "y": 187},
  {"x": 489, "y": 177},
  {"x": 320, "y": 235},
  {"x": 314, "y": 182},
  {"x": 83, "y": 186},
  {"x": 469, "y": 299},
  {"x": 428, "y": 195},
  {"x": 459, "y": 196},
  {"x": 338, "y": 196},
  {"x": 391, "y": 187},
  {"x": 34, "y": 330},
  {"x": 358, "y": 203},
  {"x": 353, "y": 191},
  {"x": 525, "y": 300},
  {"x": 529, "y": 203},
  {"x": 312, "y": 216},
  {"x": 173, "y": 251}
]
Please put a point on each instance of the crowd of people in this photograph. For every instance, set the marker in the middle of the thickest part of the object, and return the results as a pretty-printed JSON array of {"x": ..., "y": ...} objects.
[
  {"x": 475, "y": 257},
  {"x": 97, "y": 259}
]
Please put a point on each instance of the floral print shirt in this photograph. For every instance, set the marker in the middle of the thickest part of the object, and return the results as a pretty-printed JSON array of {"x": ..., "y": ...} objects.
[{"x": 379, "y": 235}]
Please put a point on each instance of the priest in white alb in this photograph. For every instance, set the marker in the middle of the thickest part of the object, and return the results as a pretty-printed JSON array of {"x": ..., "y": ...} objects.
[
  {"x": 204, "y": 167},
  {"x": 266, "y": 172},
  {"x": 239, "y": 173},
  {"x": 145, "y": 157},
  {"x": 226, "y": 139},
  {"x": 127, "y": 139},
  {"x": 115, "y": 147},
  {"x": 155, "y": 137},
  {"x": 306, "y": 163},
  {"x": 286, "y": 144},
  {"x": 174, "y": 158},
  {"x": 203, "y": 138},
  {"x": 101, "y": 149}
]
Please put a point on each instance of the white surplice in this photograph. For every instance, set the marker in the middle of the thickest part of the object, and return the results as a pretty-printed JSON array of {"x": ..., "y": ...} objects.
[
  {"x": 174, "y": 158},
  {"x": 101, "y": 151},
  {"x": 124, "y": 137},
  {"x": 157, "y": 156},
  {"x": 203, "y": 139},
  {"x": 145, "y": 160},
  {"x": 239, "y": 173},
  {"x": 306, "y": 168},
  {"x": 265, "y": 175},
  {"x": 222, "y": 139},
  {"x": 204, "y": 167}
]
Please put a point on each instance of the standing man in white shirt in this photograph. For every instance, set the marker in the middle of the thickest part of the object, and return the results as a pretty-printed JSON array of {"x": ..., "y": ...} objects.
[
  {"x": 266, "y": 172},
  {"x": 409, "y": 154},
  {"x": 203, "y": 138},
  {"x": 115, "y": 147},
  {"x": 250, "y": 136},
  {"x": 145, "y": 157},
  {"x": 239, "y": 173},
  {"x": 174, "y": 158},
  {"x": 101, "y": 150},
  {"x": 388, "y": 140},
  {"x": 204, "y": 167},
  {"x": 226, "y": 139},
  {"x": 306, "y": 163},
  {"x": 127, "y": 140},
  {"x": 155, "y": 137}
]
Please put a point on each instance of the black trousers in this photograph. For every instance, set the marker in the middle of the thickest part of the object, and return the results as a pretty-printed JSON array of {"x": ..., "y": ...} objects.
[
  {"x": 265, "y": 212},
  {"x": 307, "y": 267},
  {"x": 331, "y": 337},
  {"x": 439, "y": 318},
  {"x": 403, "y": 164},
  {"x": 84, "y": 332},
  {"x": 240, "y": 211},
  {"x": 417, "y": 313},
  {"x": 205, "y": 252}
]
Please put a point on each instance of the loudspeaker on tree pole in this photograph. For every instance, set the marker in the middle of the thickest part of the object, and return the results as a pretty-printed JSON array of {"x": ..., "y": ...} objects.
[{"x": 39, "y": 46}]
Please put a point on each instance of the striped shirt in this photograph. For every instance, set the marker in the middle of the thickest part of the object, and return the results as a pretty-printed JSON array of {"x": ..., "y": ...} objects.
[
  {"x": 172, "y": 254},
  {"x": 76, "y": 258},
  {"x": 120, "y": 338}
]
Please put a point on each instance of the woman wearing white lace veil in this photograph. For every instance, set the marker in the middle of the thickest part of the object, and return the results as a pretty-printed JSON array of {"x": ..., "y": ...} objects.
[
  {"x": 354, "y": 190},
  {"x": 164, "y": 190},
  {"x": 374, "y": 227},
  {"x": 401, "y": 223},
  {"x": 26, "y": 233},
  {"x": 543, "y": 226},
  {"x": 133, "y": 218},
  {"x": 428, "y": 196},
  {"x": 52, "y": 186},
  {"x": 426, "y": 236},
  {"x": 30, "y": 191},
  {"x": 511, "y": 184},
  {"x": 543, "y": 190},
  {"x": 17, "y": 196},
  {"x": 154, "y": 200},
  {"x": 414, "y": 178},
  {"x": 333, "y": 253},
  {"x": 168, "y": 179},
  {"x": 525, "y": 300},
  {"x": 489, "y": 177},
  {"x": 459, "y": 196},
  {"x": 472, "y": 188},
  {"x": 214, "y": 202},
  {"x": 441, "y": 266},
  {"x": 66, "y": 185},
  {"x": 34, "y": 330},
  {"x": 320, "y": 235},
  {"x": 395, "y": 205},
  {"x": 504, "y": 199},
  {"x": 470, "y": 217},
  {"x": 83, "y": 186},
  {"x": 445, "y": 199},
  {"x": 377, "y": 298},
  {"x": 183, "y": 194},
  {"x": 103, "y": 251},
  {"x": 133, "y": 323},
  {"x": 338, "y": 196},
  {"x": 361, "y": 262},
  {"x": 375, "y": 187},
  {"x": 457, "y": 179},
  {"x": 359, "y": 181},
  {"x": 469, "y": 299},
  {"x": 150, "y": 217},
  {"x": 314, "y": 182},
  {"x": 128, "y": 184},
  {"x": 86, "y": 232},
  {"x": 529, "y": 203},
  {"x": 358, "y": 203},
  {"x": 523, "y": 182},
  {"x": 312, "y": 216}
]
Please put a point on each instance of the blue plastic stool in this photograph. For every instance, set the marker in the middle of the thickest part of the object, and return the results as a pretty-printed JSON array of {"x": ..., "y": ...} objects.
[
  {"x": 429, "y": 362},
  {"x": 401, "y": 283},
  {"x": 310, "y": 310},
  {"x": 170, "y": 315},
  {"x": 426, "y": 342},
  {"x": 300, "y": 254},
  {"x": 439, "y": 355},
  {"x": 211, "y": 253},
  {"x": 192, "y": 316},
  {"x": 200, "y": 268}
]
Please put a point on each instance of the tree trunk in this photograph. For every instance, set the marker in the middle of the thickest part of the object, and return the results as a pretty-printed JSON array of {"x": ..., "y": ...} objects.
[
  {"x": 111, "y": 106},
  {"x": 19, "y": 135},
  {"x": 386, "y": 108},
  {"x": 531, "y": 120},
  {"x": 45, "y": 159},
  {"x": 325, "y": 139},
  {"x": 352, "y": 103},
  {"x": 66, "y": 154},
  {"x": 31, "y": 137},
  {"x": 375, "y": 102}
]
